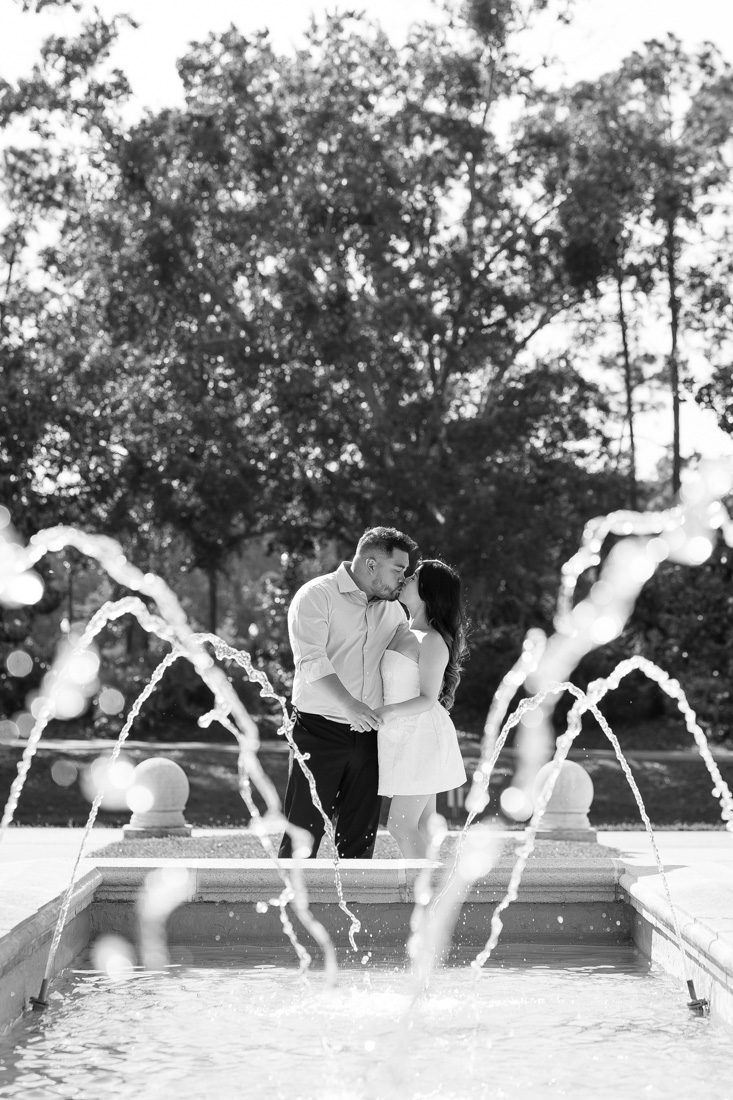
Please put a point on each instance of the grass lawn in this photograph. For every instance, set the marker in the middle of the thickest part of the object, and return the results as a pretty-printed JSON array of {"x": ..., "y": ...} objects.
[{"x": 676, "y": 792}]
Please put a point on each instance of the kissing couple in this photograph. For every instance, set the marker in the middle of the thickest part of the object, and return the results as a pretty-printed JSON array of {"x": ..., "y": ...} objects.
[{"x": 377, "y": 646}]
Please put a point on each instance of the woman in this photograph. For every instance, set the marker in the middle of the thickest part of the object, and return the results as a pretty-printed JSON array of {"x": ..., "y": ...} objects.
[{"x": 418, "y": 745}]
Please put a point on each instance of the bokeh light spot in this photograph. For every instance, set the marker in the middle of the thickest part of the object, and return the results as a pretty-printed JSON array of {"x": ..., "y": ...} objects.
[
  {"x": 24, "y": 723},
  {"x": 113, "y": 956},
  {"x": 606, "y": 628},
  {"x": 69, "y": 702},
  {"x": 139, "y": 799},
  {"x": 35, "y": 705},
  {"x": 699, "y": 549},
  {"x": 83, "y": 667},
  {"x": 109, "y": 779},
  {"x": 19, "y": 663},
  {"x": 64, "y": 773},
  {"x": 23, "y": 589},
  {"x": 515, "y": 804},
  {"x": 111, "y": 701}
]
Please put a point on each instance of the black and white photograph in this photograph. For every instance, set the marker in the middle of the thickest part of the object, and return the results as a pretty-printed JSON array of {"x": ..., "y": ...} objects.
[{"x": 366, "y": 550}]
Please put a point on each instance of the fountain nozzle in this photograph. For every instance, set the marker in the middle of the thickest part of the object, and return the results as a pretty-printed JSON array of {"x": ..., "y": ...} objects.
[
  {"x": 39, "y": 1003},
  {"x": 697, "y": 1005}
]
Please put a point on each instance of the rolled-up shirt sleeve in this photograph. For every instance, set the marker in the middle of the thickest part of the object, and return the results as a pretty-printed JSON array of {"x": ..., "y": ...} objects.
[{"x": 308, "y": 629}]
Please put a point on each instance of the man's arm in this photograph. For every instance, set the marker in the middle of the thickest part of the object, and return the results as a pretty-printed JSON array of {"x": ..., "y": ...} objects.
[
  {"x": 402, "y": 634},
  {"x": 308, "y": 621},
  {"x": 359, "y": 716}
]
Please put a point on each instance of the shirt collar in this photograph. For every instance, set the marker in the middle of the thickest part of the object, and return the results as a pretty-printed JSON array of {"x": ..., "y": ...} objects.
[{"x": 345, "y": 581}]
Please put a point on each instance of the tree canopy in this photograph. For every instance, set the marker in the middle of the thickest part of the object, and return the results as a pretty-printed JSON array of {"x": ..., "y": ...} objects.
[{"x": 325, "y": 292}]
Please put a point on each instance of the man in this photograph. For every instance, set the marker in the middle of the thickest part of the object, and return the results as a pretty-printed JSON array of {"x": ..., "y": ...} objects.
[{"x": 340, "y": 625}]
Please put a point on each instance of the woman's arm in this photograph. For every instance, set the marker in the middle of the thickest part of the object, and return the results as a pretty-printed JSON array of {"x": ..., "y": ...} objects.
[{"x": 432, "y": 664}]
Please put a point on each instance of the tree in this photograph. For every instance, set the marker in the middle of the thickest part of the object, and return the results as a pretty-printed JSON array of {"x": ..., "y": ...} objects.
[
  {"x": 585, "y": 146},
  {"x": 686, "y": 100},
  {"x": 635, "y": 160},
  {"x": 305, "y": 301}
]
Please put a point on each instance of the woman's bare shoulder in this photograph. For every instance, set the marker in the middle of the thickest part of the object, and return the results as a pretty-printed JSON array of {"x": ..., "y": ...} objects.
[{"x": 433, "y": 644}]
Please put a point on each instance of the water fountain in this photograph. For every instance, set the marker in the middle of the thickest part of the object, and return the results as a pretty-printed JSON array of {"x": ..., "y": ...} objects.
[{"x": 685, "y": 534}]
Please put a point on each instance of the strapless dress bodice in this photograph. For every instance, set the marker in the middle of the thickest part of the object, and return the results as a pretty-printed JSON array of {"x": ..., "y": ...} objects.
[{"x": 400, "y": 677}]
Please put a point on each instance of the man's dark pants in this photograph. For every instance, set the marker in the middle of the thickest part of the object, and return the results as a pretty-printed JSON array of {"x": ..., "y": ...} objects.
[{"x": 345, "y": 769}]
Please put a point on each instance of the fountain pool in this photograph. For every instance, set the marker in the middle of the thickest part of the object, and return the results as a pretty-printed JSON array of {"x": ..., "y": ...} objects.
[
  {"x": 261, "y": 1029},
  {"x": 582, "y": 993},
  {"x": 539, "y": 1021}
]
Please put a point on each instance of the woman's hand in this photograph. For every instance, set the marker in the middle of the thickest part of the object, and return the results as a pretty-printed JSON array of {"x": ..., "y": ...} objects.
[{"x": 383, "y": 712}]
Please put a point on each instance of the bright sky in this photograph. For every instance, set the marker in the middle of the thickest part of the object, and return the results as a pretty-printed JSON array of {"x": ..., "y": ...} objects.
[{"x": 602, "y": 33}]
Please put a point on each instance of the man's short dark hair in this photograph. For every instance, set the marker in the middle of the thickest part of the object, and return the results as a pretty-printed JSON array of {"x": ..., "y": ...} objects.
[{"x": 388, "y": 539}]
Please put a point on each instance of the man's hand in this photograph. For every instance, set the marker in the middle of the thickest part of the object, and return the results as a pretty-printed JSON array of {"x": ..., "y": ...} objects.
[{"x": 361, "y": 717}]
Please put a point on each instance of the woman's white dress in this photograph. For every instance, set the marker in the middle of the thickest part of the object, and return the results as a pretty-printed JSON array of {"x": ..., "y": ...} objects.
[{"x": 420, "y": 754}]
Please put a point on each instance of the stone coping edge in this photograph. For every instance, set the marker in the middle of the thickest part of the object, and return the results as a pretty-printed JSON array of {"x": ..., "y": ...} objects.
[
  {"x": 23, "y": 940},
  {"x": 698, "y": 938},
  {"x": 379, "y": 882},
  {"x": 373, "y": 881}
]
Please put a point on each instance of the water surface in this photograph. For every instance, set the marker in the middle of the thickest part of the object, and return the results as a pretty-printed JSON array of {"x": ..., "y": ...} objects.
[{"x": 538, "y": 1021}]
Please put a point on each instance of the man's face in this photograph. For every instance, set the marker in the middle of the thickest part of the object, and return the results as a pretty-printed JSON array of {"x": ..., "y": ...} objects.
[{"x": 387, "y": 574}]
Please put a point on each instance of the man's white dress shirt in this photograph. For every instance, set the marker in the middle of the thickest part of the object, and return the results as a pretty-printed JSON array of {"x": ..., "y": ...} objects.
[{"x": 334, "y": 627}]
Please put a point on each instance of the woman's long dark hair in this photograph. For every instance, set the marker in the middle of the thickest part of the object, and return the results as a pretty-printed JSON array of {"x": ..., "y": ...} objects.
[{"x": 439, "y": 587}]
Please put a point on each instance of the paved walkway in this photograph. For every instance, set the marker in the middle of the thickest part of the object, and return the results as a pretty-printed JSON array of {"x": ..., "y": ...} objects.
[
  {"x": 684, "y": 847},
  {"x": 35, "y": 864},
  {"x": 697, "y": 863}
]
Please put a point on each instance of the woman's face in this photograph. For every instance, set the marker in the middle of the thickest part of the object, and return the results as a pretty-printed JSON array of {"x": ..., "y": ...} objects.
[{"x": 409, "y": 595}]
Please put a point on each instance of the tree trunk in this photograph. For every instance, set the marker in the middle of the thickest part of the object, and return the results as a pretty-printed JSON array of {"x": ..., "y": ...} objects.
[
  {"x": 136, "y": 638},
  {"x": 213, "y": 599},
  {"x": 674, "y": 367},
  {"x": 70, "y": 594},
  {"x": 629, "y": 387}
]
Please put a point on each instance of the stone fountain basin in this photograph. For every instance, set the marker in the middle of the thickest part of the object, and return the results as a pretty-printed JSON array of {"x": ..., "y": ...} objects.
[{"x": 570, "y": 894}]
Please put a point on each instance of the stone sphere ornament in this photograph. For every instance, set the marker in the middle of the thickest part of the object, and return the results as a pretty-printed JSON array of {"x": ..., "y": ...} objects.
[
  {"x": 566, "y": 816},
  {"x": 157, "y": 796}
]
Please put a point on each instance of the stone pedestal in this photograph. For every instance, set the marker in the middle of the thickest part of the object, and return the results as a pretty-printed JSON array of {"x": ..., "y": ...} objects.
[
  {"x": 566, "y": 816},
  {"x": 157, "y": 797}
]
